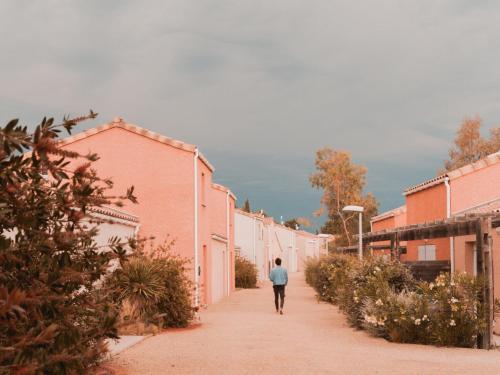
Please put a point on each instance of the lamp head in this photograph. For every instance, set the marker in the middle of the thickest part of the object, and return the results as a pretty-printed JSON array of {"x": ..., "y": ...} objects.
[{"x": 353, "y": 209}]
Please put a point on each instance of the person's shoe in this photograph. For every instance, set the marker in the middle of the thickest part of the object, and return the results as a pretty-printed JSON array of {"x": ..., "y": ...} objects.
[
  {"x": 281, "y": 312},
  {"x": 277, "y": 311}
]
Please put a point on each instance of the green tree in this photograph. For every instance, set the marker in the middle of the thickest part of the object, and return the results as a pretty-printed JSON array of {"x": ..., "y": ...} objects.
[
  {"x": 53, "y": 318},
  {"x": 246, "y": 206},
  {"x": 470, "y": 146},
  {"x": 297, "y": 223},
  {"x": 342, "y": 182}
]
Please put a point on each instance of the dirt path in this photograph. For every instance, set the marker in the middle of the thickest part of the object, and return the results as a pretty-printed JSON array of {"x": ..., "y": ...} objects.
[{"x": 243, "y": 335}]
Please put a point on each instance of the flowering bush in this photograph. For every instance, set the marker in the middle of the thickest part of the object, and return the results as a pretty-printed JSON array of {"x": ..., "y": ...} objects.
[
  {"x": 455, "y": 310},
  {"x": 372, "y": 280},
  {"x": 383, "y": 298}
]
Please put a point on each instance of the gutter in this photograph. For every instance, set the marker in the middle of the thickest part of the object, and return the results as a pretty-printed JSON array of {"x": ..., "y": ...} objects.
[
  {"x": 228, "y": 263},
  {"x": 448, "y": 215},
  {"x": 196, "y": 260}
]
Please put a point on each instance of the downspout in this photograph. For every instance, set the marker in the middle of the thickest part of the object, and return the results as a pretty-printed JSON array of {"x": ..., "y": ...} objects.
[
  {"x": 228, "y": 262},
  {"x": 196, "y": 260},
  {"x": 448, "y": 215},
  {"x": 253, "y": 242}
]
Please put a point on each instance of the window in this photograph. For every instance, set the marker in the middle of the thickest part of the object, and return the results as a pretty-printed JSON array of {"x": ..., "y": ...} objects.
[{"x": 427, "y": 252}]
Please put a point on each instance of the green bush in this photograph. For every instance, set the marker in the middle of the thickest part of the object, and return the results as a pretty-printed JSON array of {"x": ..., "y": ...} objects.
[
  {"x": 372, "y": 279},
  {"x": 245, "y": 273},
  {"x": 153, "y": 289},
  {"x": 327, "y": 275},
  {"x": 53, "y": 317},
  {"x": 382, "y": 297}
]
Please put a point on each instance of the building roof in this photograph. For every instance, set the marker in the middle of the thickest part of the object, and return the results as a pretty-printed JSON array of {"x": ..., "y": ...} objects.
[
  {"x": 114, "y": 213},
  {"x": 492, "y": 206},
  {"x": 224, "y": 189},
  {"x": 466, "y": 169},
  {"x": 118, "y": 122},
  {"x": 388, "y": 214},
  {"x": 249, "y": 214}
]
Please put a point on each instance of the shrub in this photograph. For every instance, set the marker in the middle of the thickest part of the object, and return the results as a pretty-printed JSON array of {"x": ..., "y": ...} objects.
[
  {"x": 372, "y": 279},
  {"x": 455, "y": 311},
  {"x": 245, "y": 273},
  {"x": 383, "y": 298},
  {"x": 153, "y": 290},
  {"x": 332, "y": 275},
  {"x": 53, "y": 319}
]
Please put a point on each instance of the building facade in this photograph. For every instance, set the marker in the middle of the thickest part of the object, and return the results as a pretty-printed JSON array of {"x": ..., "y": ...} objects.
[{"x": 177, "y": 201}]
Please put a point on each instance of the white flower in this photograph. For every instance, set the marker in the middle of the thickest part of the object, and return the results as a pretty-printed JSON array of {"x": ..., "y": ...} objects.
[
  {"x": 453, "y": 300},
  {"x": 379, "y": 302},
  {"x": 431, "y": 286},
  {"x": 417, "y": 322},
  {"x": 356, "y": 299},
  {"x": 452, "y": 323},
  {"x": 425, "y": 318},
  {"x": 377, "y": 269}
]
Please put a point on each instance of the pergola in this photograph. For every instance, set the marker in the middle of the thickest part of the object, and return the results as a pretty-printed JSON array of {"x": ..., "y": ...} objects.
[{"x": 480, "y": 225}]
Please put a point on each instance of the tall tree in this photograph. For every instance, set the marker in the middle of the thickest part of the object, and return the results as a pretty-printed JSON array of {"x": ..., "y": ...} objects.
[
  {"x": 342, "y": 182},
  {"x": 246, "y": 206},
  {"x": 470, "y": 146}
]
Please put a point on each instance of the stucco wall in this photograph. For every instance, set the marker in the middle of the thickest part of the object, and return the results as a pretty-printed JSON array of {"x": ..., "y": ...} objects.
[
  {"x": 426, "y": 206},
  {"x": 474, "y": 188},
  {"x": 162, "y": 176}
]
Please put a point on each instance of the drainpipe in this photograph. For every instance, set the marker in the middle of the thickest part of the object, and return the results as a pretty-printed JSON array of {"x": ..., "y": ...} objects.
[
  {"x": 196, "y": 260},
  {"x": 253, "y": 242},
  {"x": 228, "y": 263},
  {"x": 448, "y": 215}
]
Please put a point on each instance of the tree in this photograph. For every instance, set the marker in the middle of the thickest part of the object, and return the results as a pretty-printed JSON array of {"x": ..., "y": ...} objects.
[
  {"x": 469, "y": 146},
  {"x": 53, "y": 318},
  {"x": 246, "y": 206},
  {"x": 342, "y": 182},
  {"x": 297, "y": 223}
]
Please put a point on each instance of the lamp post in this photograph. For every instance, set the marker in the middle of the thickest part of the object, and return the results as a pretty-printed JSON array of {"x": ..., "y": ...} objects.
[{"x": 360, "y": 210}]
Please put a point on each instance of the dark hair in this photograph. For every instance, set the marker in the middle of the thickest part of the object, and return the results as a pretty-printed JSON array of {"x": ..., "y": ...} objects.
[{"x": 278, "y": 261}]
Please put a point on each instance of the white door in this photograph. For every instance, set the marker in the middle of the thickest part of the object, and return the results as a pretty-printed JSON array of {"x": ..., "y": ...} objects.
[{"x": 218, "y": 270}]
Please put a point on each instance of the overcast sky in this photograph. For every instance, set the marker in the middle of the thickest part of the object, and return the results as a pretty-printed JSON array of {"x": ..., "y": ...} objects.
[{"x": 260, "y": 85}]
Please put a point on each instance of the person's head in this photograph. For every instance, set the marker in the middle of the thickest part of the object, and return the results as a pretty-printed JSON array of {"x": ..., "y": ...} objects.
[{"x": 278, "y": 261}]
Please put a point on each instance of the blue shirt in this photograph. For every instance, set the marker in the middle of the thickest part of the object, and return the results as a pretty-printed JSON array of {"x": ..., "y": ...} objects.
[{"x": 279, "y": 276}]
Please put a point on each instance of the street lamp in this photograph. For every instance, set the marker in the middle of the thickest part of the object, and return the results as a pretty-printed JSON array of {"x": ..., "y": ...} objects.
[{"x": 360, "y": 210}]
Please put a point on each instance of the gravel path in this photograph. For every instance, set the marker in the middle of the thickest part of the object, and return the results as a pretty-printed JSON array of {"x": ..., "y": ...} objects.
[{"x": 243, "y": 335}]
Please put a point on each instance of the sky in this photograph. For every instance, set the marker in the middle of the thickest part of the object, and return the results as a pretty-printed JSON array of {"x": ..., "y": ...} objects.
[{"x": 259, "y": 86}]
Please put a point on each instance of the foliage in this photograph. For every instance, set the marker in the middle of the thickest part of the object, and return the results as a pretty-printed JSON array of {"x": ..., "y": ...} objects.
[
  {"x": 246, "y": 206},
  {"x": 382, "y": 297},
  {"x": 245, "y": 273},
  {"x": 53, "y": 319},
  {"x": 297, "y": 223},
  {"x": 328, "y": 275},
  {"x": 373, "y": 278},
  {"x": 469, "y": 146},
  {"x": 153, "y": 289},
  {"x": 342, "y": 182}
]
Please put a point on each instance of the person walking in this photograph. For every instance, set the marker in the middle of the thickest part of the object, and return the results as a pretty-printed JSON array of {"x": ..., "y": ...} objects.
[{"x": 279, "y": 277}]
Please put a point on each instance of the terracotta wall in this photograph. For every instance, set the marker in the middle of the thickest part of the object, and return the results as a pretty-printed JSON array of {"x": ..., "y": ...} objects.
[{"x": 426, "y": 206}]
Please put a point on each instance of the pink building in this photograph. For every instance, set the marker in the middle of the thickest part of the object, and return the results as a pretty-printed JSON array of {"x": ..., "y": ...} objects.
[{"x": 177, "y": 200}]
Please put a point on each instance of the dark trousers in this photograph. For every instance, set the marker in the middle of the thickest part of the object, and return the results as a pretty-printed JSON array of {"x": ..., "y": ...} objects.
[{"x": 279, "y": 291}]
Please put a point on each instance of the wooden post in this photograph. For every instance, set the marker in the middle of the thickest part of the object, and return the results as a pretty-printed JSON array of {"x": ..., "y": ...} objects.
[
  {"x": 485, "y": 271},
  {"x": 398, "y": 252},
  {"x": 392, "y": 247}
]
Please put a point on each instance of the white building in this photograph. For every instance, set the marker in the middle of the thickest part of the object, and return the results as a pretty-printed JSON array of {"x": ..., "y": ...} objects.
[{"x": 261, "y": 240}]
